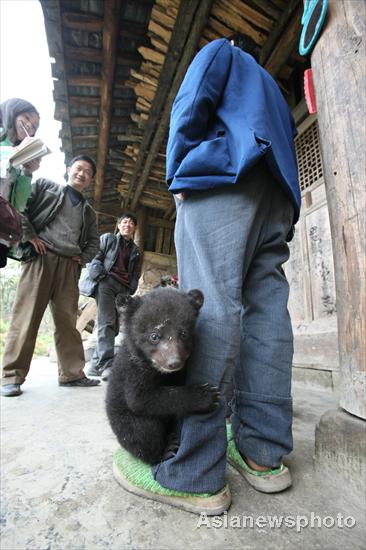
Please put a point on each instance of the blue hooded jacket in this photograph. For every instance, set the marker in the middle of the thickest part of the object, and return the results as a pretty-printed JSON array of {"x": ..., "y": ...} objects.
[{"x": 228, "y": 113}]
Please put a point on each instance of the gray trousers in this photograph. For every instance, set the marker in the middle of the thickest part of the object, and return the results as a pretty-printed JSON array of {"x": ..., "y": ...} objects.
[
  {"x": 107, "y": 320},
  {"x": 231, "y": 244}
]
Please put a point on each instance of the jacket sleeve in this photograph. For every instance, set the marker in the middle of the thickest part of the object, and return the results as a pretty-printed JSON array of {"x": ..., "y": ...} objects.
[
  {"x": 29, "y": 231},
  {"x": 136, "y": 273},
  {"x": 96, "y": 267},
  {"x": 92, "y": 241},
  {"x": 196, "y": 101}
]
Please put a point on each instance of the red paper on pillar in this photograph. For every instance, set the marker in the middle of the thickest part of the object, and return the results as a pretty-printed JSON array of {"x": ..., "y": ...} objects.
[{"x": 309, "y": 91}]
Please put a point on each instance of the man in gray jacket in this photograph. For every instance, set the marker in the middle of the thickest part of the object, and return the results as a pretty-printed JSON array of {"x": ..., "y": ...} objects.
[
  {"x": 59, "y": 237},
  {"x": 113, "y": 273}
]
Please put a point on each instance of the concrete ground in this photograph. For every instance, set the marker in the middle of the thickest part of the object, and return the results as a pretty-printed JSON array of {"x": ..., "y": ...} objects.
[{"x": 58, "y": 491}]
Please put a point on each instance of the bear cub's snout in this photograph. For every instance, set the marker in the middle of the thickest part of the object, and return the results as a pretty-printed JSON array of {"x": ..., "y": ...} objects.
[{"x": 145, "y": 392}]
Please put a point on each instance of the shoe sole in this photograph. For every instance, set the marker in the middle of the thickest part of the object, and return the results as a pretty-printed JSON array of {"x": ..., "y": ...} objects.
[
  {"x": 71, "y": 385},
  {"x": 265, "y": 484},
  {"x": 212, "y": 506},
  {"x": 12, "y": 394}
]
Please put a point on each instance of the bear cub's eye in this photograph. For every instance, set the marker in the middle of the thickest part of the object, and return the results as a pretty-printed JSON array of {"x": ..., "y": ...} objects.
[
  {"x": 183, "y": 334},
  {"x": 154, "y": 338}
]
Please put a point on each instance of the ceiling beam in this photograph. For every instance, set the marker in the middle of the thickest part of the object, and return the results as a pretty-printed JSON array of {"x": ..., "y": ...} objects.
[
  {"x": 55, "y": 41},
  {"x": 83, "y": 121},
  {"x": 202, "y": 10},
  {"x": 110, "y": 36},
  {"x": 278, "y": 30},
  {"x": 94, "y": 101},
  {"x": 87, "y": 22},
  {"x": 287, "y": 43},
  {"x": 176, "y": 45},
  {"x": 95, "y": 55},
  {"x": 94, "y": 81},
  {"x": 190, "y": 21},
  {"x": 92, "y": 23},
  {"x": 169, "y": 213}
]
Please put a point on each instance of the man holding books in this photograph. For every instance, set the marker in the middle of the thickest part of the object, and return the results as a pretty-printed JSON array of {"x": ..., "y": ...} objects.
[{"x": 59, "y": 237}]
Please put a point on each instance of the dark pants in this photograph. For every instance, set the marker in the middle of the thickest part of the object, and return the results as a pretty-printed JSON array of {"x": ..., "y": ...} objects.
[{"x": 107, "y": 321}]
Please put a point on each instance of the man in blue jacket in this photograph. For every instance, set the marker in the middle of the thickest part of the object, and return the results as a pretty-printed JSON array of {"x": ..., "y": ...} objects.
[{"x": 231, "y": 164}]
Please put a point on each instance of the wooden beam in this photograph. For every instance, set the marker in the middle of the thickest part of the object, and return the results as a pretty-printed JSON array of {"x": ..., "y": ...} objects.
[
  {"x": 108, "y": 214},
  {"x": 286, "y": 44},
  {"x": 84, "y": 54},
  {"x": 191, "y": 18},
  {"x": 140, "y": 233},
  {"x": 83, "y": 80},
  {"x": 278, "y": 29},
  {"x": 110, "y": 36},
  {"x": 233, "y": 20},
  {"x": 88, "y": 314},
  {"x": 201, "y": 14},
  {"x": 167, "y": 241},
  {"x": 94, "y": 81},
  {"x": 50, "y": 26},
  {"x": 76, "y": 121},
  {"x": 254, "y": 17},
  {"x": 160, "y": 222},
  {"x": 169, "y": 213},
  {"x": 95, "y": 55},
  {"x": 94, "y": 101},
  {"x": 176, "y": 46},
  {"x": 267, "y": 8},
  {"x": 129, "y": 138},
  {"x": 159, "y": 240},
  {"x": 80, "y": 139},
  {"x": 89, "y": 23}
]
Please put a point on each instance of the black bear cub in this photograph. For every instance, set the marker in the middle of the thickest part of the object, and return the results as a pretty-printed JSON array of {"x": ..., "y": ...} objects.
[{"x": 144, "y": 393}]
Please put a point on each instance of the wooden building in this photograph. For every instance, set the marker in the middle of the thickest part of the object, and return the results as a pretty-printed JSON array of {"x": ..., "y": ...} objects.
[{"x": 118, "y": 65}]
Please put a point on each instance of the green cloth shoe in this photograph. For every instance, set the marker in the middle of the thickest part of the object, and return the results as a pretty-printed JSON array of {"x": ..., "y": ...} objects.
[
  {"x": 136, "y": 477},
  {"x": 271, "y": 481}
]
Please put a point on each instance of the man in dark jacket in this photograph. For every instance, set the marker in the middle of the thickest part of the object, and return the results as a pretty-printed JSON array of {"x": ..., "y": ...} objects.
[
  {"x": 231, "y": 164},
  {"x": 114, "y": 272},
  {"x": 59, "y": 237}
]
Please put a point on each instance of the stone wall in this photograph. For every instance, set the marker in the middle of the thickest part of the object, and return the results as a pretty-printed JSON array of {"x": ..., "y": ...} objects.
[{"x": 154, "y": 267}]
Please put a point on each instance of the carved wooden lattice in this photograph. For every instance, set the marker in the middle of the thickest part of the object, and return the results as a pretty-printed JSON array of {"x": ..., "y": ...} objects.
[{"x": 309, "y": 157}]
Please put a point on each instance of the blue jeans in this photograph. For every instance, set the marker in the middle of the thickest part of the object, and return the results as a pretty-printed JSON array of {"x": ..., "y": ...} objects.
[
  {"x": 107, "y": 320},
  {"x": 231, "y": 244}
]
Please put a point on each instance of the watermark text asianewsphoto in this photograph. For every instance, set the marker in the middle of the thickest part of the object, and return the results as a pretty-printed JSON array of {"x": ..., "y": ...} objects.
[{"x": 299, "y": 522}]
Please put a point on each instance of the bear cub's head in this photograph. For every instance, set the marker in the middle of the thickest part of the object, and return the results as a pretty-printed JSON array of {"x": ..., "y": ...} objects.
[{"x": 160, "y": 326}]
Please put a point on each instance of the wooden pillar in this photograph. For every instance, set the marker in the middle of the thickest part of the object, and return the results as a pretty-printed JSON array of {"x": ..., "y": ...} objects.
[
  {"x": 140, "y": 232},
  {"x": 338, "y": 63}
]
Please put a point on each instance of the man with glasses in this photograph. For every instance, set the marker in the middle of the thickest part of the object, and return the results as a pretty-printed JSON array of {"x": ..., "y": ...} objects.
[{"x": 59, "y": 237}]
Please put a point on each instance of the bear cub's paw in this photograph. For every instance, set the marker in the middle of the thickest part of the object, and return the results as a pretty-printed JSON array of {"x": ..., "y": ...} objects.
[{"x": 205, "y": 398}]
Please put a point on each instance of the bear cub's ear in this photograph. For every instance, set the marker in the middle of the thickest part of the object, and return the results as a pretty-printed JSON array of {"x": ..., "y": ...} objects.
[
  {"x": 196, "y": 298},
  {"x": 132, "y": 305}
]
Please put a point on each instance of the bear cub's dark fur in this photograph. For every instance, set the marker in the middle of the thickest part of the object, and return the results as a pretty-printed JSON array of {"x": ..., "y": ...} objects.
[{"x": 144, "y": 395}]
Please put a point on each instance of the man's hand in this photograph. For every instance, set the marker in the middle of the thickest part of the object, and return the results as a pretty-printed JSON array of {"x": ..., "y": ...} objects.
[
  {"x": 180, "y": 196},
  {"x": 39, "y": 245},
  {"x": 76, "y": 259}
]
